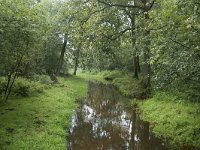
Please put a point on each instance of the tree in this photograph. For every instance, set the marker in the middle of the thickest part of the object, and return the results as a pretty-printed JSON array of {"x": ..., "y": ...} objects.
[
  {"x": 175, "y": 45},
  {"x": 131, "y": 9},
  {"x": 19, "y": 38}
]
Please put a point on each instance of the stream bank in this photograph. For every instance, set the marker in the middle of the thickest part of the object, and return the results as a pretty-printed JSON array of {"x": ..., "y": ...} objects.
[{"x": 178, "y": 121}]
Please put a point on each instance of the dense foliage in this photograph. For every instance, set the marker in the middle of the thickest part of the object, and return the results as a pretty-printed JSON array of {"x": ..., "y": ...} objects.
[
  {"x": 156, "y": 40},
  {"x": 159, "y": 39},
  {"x": 175, "y": 46},
  {"x": 153, "y": 47}
]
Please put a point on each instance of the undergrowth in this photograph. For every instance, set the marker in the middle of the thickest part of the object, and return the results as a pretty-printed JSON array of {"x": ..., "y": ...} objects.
[{"x": 26, "y": 87}]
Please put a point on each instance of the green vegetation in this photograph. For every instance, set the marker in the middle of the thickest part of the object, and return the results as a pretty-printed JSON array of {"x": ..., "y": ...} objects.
[
  {"x": 173, "y": 118},
  {"x": 40, "y": 121},
  {"x": 25, "y": 87},
  {"x": 141, "y": 47}
]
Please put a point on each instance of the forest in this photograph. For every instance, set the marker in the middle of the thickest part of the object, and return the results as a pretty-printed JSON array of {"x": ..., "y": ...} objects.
[{"x": 51, "y": 51}]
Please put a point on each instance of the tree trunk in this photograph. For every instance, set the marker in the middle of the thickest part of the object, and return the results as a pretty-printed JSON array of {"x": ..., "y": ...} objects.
[
  {"x": 135, "y": 56},
  {"x": 9, "y": 86},
  {"x": 76, "y": 60},
  {"x": 62, "y": 54},
  {"x": 135, "y": 66},
  {"x": 138, "y": 64},
  {"x": 8, "y": 83},
  {"x": 146, "y": 73}
]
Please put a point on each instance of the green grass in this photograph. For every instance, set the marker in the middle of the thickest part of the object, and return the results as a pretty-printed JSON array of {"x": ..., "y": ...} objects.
[
  {"x": 40, "y": 122},
  {"x": 93, "y": 77},
  {"x": 175, "y": 119}
]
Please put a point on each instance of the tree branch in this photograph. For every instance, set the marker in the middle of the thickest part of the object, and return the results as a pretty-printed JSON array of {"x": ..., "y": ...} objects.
[
  {"x": 120, "y": 5},
  {"x": 179, "y": 43},
  {"x": 93, "y": 13},
  {"x": 116, "y": 36},
  {"x": 151, "y": 5}
]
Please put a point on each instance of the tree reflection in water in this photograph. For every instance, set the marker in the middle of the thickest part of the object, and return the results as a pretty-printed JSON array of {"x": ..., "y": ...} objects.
[{"x": 102, "y": 123}]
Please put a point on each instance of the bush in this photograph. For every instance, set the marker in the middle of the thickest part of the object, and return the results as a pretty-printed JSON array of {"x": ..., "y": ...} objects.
[
  {"x": 2, "y": 84},
  {"x": 113, "y": 74},
  {"x": 129, "y": 87},
  {"x": 43, "y": 79},
  {"x": 37, "y": 87},
  {"x": 21, "y": 87}
]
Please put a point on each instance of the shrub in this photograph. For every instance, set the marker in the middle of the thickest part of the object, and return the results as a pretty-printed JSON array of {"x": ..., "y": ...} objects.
[
  {"x": 37, "y": 87},
  {"x": 2, "y": 84},
  {"x": 129, "y": 87},
  {"x": 113, "y": 74},
  {"x": 21, "y": 87},
  {"x": 43, "y": 79},
  {"x": 26, "y": 87}
]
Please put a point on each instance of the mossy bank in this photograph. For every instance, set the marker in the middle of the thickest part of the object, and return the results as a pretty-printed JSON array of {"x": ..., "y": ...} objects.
[
  {"x": 40, "y": 121},
  {"x": 176, "y": 120}
]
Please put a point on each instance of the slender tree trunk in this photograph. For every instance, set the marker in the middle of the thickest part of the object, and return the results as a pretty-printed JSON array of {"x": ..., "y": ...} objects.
[
  {"x": 135, "y": 66},
  {"x": 62, "y": 54},
  {"x": 8, "y": 82},
  {"x": 146, "y": 73},
  {"x": 138, "y": 64},
  {"x": 76, "y": 60},
  {"x": 9, "y": 86},
  {"x": 135, "y": 56},
  {"x": 15, "y": 72}
]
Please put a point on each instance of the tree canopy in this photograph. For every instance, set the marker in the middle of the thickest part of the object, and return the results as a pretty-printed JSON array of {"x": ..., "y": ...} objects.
[{"x": 157, "y": 40}]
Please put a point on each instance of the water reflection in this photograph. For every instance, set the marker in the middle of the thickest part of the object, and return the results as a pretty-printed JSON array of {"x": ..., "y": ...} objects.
[{"x": 102, "y": 123}]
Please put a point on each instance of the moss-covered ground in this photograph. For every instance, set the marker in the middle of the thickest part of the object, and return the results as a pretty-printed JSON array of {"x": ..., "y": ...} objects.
[{"x": 40, "y": 122}]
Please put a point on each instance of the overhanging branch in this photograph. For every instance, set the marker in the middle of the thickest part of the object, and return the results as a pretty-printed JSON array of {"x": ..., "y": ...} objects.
[
  {"x": 151, "y": 5},
  {"x": 116, "y": 36},
  {"x": 93, "y": 13},
  {"x": 179, "y": 43},
  {"x": 120, "y": 5}
]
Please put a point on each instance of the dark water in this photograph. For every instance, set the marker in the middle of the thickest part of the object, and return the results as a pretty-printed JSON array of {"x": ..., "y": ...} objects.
[{"x": 103, "y": 123}]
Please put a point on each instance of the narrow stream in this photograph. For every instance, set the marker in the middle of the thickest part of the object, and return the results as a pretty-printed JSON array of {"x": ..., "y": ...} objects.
[{"x": 103, "y": 123}]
